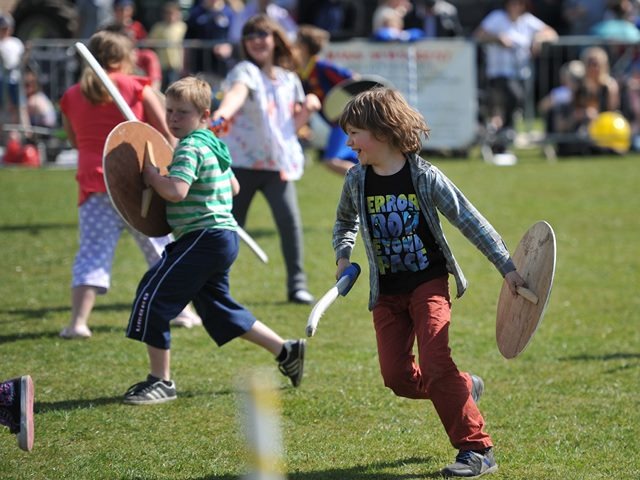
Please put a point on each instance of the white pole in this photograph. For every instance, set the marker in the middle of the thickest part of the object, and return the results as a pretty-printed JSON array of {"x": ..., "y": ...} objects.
[{"x": 262, "y": 428}]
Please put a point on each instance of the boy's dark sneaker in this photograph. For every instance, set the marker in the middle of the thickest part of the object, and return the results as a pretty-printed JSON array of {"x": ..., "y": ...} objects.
[
  {"x": 292, "y": 366},
  {"x": 153, "y": 390},
  {"x": 470, "y": 464},
  {"x": 16, "y": 409},
  {"x": 477, "y": 388}
]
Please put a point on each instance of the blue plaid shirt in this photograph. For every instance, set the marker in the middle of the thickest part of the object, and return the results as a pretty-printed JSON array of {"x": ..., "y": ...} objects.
[{"x": 436, "y": 193}]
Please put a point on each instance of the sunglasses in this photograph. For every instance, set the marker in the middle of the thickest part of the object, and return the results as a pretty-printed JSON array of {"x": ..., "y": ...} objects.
[{"x": 260, "y": 34}]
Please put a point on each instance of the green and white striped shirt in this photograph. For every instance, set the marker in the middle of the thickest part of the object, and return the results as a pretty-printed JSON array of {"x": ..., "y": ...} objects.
[{"x": 203, "y": 161}]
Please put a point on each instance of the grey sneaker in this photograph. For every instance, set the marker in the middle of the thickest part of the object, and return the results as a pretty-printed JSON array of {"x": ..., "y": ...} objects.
[
  {"x": 293, "y": 365},
  {"x": 470, "y": 464},
  {"x": 151, "y": 391},
  {"x": 477, "y": 388}
]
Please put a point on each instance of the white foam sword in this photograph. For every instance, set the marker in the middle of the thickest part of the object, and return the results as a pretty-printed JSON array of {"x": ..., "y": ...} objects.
[{"x": 342, "y": 287}]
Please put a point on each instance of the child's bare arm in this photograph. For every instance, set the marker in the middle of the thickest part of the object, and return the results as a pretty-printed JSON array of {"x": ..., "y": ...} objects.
[
  {"x": 232, "y": 101},
  {"x": 303, "y": 111},
  {"x": 235, "y": 185},
  {"x": 171, "y": 189}
]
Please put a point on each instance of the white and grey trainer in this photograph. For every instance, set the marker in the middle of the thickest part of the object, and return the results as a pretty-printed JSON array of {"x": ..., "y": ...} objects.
[{"x": 153, "y": 390}]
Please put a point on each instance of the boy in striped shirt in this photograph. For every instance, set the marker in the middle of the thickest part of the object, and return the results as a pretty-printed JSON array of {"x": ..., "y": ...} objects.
[{"x": 199, "y": 189}]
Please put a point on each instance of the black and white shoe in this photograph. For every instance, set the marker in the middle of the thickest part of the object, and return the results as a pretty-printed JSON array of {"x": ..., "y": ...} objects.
[
  {"x": 293, "y": 365},
  {"x": 153, "y": 390},
  {"x": 302, "y": 297}
]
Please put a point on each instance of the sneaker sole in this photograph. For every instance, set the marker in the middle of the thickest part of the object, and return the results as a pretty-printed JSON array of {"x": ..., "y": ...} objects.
[
  {"x": 488, "y": 471},
  {"x": 155, "y": 401},
  {"x": 303, "y": 348},
  {"x": 26, "y": 434}
]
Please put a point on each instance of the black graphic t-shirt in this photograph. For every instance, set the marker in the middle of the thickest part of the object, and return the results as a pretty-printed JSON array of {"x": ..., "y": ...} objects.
[{"x": 406, "y": 250}]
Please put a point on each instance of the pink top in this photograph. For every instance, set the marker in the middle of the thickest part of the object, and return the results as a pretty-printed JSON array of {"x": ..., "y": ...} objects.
[{"x": 92, "y": 125}]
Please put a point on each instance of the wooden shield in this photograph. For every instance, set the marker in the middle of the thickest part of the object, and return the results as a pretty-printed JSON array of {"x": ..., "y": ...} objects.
[
  {"x": 338, "y": 97},
  {"x": 518, "y": 316},
  {"x": 122, "y": 163}
]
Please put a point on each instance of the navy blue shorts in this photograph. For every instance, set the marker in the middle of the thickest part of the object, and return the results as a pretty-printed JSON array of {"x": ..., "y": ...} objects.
[{"x": 193, "y": 268}]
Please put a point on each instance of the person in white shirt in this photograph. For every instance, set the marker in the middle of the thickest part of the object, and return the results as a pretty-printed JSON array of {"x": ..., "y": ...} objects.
[
  {"x": 11, "y": 53},
  {"x": 511, "y": 36}
]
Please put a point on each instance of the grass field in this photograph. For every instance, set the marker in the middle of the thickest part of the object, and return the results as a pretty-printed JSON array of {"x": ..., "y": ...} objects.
[{"x": 567, "y": 408}]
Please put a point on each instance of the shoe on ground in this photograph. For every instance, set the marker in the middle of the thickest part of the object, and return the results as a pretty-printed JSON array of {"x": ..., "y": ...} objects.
[
  {"x": 477, "y": 388},
  {"x": 69, "y": 333},
  {"x": 17, "y": 409},
  {"x": 186, "y": 319},
  {"x": 471, "y": 464},
  {"x": 150, "y": 392},
  {"x": 301, "y": 296},
  {"x": 293, "y": 365},
  {"x": 505, "y": 159}
]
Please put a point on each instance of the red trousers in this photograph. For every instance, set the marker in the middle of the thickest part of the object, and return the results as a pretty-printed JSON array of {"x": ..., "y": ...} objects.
[{"x": 423, "y": 317}]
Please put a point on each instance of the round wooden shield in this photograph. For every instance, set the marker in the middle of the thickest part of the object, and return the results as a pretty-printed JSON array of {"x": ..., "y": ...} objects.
[
  {"x": 519, "y": 315},
  {"x": 338, "y": 97},
  {"x": 122, "y": 162}
]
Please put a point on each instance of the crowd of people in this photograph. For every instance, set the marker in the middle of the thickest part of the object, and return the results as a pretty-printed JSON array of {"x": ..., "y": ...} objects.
[{"x": 510, "y": 37}]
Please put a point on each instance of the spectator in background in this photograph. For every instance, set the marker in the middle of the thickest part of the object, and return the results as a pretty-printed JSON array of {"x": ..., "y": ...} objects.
[
  {"x": 563, "y": 109},
  {"x": 146, "y": 60},
  {"x": 389, "y": 9},
  {"x": 597, "y": 92},
  {"x": 391, "y": 28},
  {"x": 92, "y": 15},
  {"x": 272, "y": 10},
  {"x": 618, "y": 24},
  {"x": 211, "y": 21},
  {"x": 601, "y": 90},
  {"x": 582, "y": 15},
  {"x": 319, "y": 76},
  {"x": 435, "y": 18},
  {"x": 170, "y": 29},
  {"x": 123, "y": 11},
  {"x": 11, "y": 53},
  {"x": 41, "y": 111},
  {"x": 343, "y": 19},
  {"x": 511, "y": 36}
]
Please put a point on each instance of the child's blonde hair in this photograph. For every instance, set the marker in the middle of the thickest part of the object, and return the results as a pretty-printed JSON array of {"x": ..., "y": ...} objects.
[
  {"x": 193, "y": 90},
  {"x": 387, "y": 115},
  {"x": 113, "y": 51}
]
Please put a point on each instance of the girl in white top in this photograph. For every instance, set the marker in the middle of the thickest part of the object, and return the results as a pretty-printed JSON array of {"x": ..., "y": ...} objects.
[{"x": 265, "y": 105}]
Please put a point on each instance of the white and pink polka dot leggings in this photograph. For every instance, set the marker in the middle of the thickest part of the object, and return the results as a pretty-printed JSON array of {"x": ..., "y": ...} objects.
[{"x": 100, "y": 228}]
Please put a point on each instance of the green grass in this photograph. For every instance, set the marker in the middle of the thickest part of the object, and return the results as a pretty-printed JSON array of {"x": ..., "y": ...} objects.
[{"x": 565, "y": 409}]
